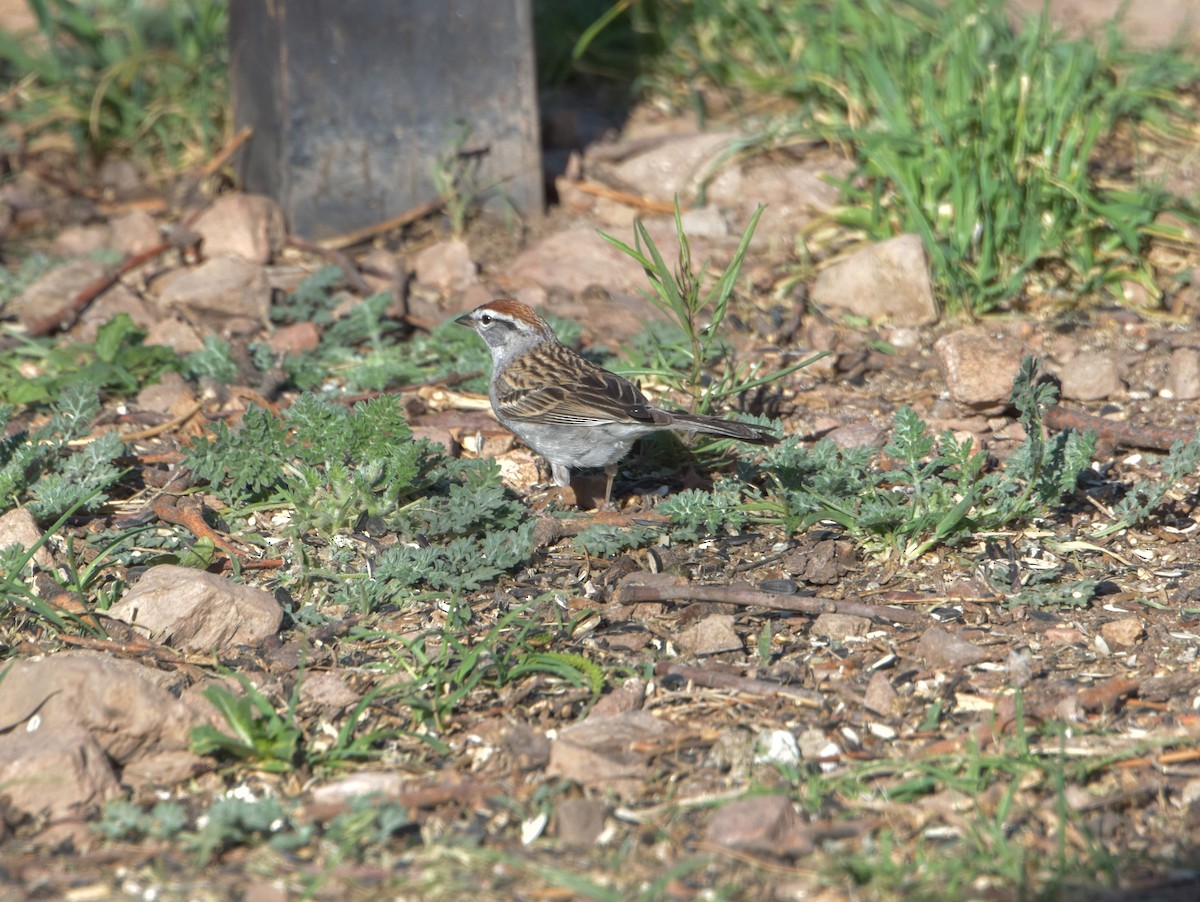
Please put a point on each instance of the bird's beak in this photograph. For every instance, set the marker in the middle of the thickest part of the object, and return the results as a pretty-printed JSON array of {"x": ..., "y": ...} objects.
[{"x": 464, "y": 320}]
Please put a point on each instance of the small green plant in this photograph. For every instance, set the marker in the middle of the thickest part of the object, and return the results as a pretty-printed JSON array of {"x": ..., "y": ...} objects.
[
  {"x": 992, "y": 143},
  {"x": 38, "y": 469},
  {"x": 1145, "y": 496},
  {"x": 336, "y": 468},
  {"x": 146, "y": 79},
  {"x": 233, "y": 821},
  {"x": 699, "y": 314},
  {"x": 446, "y": 667},
  {"x": 273, "y": 741},
  {"x": 934, "y": 493},
  {"x": 213, "y": 361},
  {"x": 124, "y": 820},
  {"x": 312, "y": 301},
  {"x": 456, "y": 180},
  {"x": 36, "y": 371}
]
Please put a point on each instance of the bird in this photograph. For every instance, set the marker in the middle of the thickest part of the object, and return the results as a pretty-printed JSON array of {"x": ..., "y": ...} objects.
[{"x": 570, "y": 411}]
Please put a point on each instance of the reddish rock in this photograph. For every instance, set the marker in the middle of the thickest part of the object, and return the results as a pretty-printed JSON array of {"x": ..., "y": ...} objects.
[
  {"x": 941, "y": 650},
  {"x": 1184, "y": 375},
  {"x": 760, "y": 824},
  {"x": 712, "y": 635},
  {"x": 295, "y": 338},
  {"x": 979, "y": 365}
]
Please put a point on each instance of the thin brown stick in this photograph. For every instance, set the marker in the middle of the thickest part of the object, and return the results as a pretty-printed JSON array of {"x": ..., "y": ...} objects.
[
  {"x": 349, "y": 239},
  {"x": 65, "y": 317},
  {"x": 715, "y": 679},
  {"x": 244, "y": 134},
  {"x": 625, "y": 197},
  {"x": 633, "y": 592},
  {"x": 1117, "y": 432},
  {"x": 170, "y": 424}
]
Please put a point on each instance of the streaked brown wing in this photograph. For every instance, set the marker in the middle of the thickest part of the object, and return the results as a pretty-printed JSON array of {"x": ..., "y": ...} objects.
[{"x": 572, "y": 392}]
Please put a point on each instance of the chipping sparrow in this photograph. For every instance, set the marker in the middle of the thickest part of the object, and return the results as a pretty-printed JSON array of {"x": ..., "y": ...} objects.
[{"x": 566, "y": 408}]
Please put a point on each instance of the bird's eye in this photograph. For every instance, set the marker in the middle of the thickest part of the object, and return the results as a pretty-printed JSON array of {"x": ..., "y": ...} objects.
[{"x": 486, "y": 319}]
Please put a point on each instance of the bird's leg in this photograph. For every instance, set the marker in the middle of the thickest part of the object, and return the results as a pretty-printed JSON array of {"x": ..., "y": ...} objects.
[{"x": 610, "y": 471}]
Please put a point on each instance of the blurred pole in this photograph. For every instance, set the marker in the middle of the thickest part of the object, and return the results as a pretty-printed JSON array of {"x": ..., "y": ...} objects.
[{"x": 352, "y": 104}]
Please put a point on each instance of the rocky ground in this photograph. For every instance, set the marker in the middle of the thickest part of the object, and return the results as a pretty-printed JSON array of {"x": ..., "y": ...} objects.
[{"x": 775, "y": 701}]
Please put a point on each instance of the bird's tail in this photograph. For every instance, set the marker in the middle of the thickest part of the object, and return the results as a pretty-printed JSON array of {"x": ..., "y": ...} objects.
[{"x": 743, "y": 432}]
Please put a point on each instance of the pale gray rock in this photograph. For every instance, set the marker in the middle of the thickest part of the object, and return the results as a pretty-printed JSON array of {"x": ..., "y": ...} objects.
[
  {"x": 249, "y": 226},
  {"x": 1090, "y": 376},
  {"x": 885, "y": 281},
  {"x": 446, "y": 266},
  {"x": 217, "y": 291},
  {"x": 53, "y": 291},
  {"x": 198, "y": 611},
  {"x": 1183, "y": 377},
  {"x": 17, "y": 527}
]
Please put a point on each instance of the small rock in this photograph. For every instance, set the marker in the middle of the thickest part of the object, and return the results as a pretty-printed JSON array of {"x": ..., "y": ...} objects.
[
  {"x": 1063, "y": 635},
  {"x": 629, "y": 696},
  {"x": 979, "y": 366},
  {"x": 61, "y": 774},
  {"x": 572, "y": 260},
  {"x": 248, "y": 226},
  {"x": 175, "y": 334},
  {"x": 382, "y": 271},
  {"x": 704, "y": 222},
  {"x": 446, "y": 266},
  {"x": 135, "y": 233},
  {"x": 295, "y": 338},
  {"x": 326, "y": 690},
  {"x": 170, "y": 395},
  {"x": 343, "y": 790},
  {"x": 823, "y": 564},
  {"x": 1123, "y": 633},
  {"x": 840, "y": 626},
  {"x": 116, "y": 300},
  {"x": 198, "y": 611},
  {"x": 125, "y": 706},
  {"x": 1184, "y": 375},
  {"x": 579, "y": 822},
  {"x": 777, "y": 747},
  {"x": 17, "y": 527},
  {"x": 760, "y": 824},
  {"x": 120, "y": 175},
  {"x": 814, "y": 744},
  {"x": 796, "y": 194},
  {"x": 53, "y": 290},
  {"x": 612, "y": 752},
  {"x": 1090, "y": 376},
  {"x": 888, "y": 280},
  {"x": 862, "y": 434},
  {"x": 940, "y": 649},
  {"x": 82, "y": 240},
  {"x": 529, "y": 749},
  {"x": 218, "y": 290},
  {"x": 712, "y": 635},
  {"x": 881, "y": 696},
  {"x": 678, "y": 164}
]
